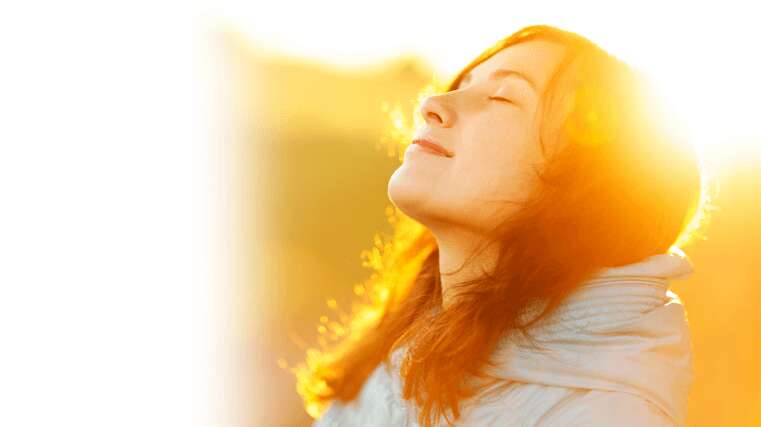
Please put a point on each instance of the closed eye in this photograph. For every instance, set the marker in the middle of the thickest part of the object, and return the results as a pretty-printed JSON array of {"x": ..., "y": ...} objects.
[{"x": 497, "y": 98}]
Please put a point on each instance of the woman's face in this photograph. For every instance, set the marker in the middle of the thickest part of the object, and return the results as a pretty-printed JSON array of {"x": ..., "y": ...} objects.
[{"x": 494, "y": 143}]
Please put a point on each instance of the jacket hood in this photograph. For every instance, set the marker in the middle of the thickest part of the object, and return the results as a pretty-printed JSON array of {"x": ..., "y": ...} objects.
[{"x": 621, "y": 330}]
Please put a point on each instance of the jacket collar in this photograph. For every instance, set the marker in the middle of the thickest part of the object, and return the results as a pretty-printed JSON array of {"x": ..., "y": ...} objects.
[{"x": 621, "y": 330}]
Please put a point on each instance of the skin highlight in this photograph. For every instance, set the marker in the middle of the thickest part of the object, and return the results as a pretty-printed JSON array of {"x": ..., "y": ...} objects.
[{"x": 490, "y": 123}]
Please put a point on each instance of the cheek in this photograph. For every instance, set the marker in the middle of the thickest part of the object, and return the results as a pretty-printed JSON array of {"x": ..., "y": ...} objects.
[
  {"x": 498, "y": 163},
  {"x": 504, "y": 138},
  {"x": 506, "y": 132}
]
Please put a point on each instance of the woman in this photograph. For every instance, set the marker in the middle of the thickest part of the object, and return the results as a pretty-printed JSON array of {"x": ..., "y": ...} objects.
[{"x": 539, "y": 214}]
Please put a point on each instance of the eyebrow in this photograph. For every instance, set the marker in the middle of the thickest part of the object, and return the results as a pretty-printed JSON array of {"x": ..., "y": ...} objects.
[{"x": 501, "y": 73}]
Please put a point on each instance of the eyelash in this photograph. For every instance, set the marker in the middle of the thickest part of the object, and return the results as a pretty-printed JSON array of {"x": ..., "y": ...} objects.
[{"x": 497, "y": 98}]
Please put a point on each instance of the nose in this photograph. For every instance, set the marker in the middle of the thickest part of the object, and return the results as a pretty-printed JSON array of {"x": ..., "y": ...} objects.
[{"x": 435, "y": 111}]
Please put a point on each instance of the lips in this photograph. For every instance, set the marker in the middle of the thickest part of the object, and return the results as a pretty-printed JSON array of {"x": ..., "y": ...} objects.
[{"x": 427, "y": 143}]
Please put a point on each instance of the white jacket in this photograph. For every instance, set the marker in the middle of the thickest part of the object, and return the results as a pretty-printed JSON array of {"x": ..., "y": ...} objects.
[{"x": 619, "y": 354}]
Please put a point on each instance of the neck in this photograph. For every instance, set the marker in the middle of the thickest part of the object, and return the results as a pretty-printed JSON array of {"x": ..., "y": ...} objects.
[{"x": 457, "y": 266}]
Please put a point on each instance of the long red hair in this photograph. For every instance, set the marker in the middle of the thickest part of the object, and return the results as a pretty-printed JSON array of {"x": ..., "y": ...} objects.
[{"x": 624, "y": 186}]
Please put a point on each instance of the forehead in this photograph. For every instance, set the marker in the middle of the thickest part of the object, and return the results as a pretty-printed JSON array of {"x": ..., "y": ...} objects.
[{"x": 537, "y": 59}]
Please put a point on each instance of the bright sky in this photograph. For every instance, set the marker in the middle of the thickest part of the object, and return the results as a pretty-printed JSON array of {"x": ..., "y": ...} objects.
[{"x": 701, "y": 54}]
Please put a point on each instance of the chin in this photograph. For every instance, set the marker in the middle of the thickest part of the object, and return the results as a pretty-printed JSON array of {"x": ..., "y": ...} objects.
[{"x": 408, "y": 193}]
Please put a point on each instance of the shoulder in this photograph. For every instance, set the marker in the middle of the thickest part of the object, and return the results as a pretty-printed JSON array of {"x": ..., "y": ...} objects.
[
  {"x": 607, "y": 408},
  {"x": 376, "y": 405}
]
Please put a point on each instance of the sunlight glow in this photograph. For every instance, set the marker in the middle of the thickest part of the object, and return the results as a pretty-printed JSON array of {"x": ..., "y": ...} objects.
[
  {"x": 702, "y": 62},
  {"x": 701, "y": 59}
]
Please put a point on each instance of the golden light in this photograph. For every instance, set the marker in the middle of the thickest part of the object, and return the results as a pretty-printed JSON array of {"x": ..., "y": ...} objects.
[
  {"x": 700, "y": 59},
  {"x": 692, "y": 52}
]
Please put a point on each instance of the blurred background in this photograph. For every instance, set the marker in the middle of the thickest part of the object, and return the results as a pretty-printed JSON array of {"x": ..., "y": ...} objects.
[
  {"x": 318, "y": 89},
  {"x": 186, "y": 189}
]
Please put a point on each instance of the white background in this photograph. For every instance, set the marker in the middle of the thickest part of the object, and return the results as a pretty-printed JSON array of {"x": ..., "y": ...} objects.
[{"x": 112, "y": 271}]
